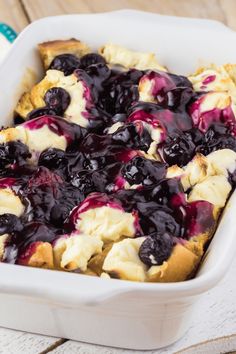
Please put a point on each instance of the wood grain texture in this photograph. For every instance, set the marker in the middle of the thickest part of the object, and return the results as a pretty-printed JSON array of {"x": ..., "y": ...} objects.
[
  {"x": 229, "y": 10},
  {"x": 214, "y": 9},
  {"x": 11, "y": 12},
  {"x": 16, "y": 342}
]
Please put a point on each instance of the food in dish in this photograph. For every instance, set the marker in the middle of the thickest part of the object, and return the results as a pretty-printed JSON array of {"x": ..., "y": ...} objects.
[{"x": 116, "y": 167}]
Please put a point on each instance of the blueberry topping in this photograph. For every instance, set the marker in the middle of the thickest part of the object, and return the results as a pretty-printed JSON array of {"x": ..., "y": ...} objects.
[
  {"x": 143, "y": 171},
  {"x": 57, "y": 99},
  {"x": 179, "y": 150},
  {"x": 39, "y": 112},
  {"x": 121, "y": 91},
  {"x": 99, "y": 73},
  {"x": 119, "y": 117},
  {"x": 178, "y": 98},
  {"x": 83, "y": 181},
  {"x": 13, "y": 152},
  {"x": 216, "y": 138},
  {"x": 156, "y": 249},
  {"x": 9, "y": 223},
  {"x": 91, "y": 59},
  {"x": 100, "y": 164},
  {"x": 132, "y": 137},
  {"x": 67, "y": 63},
  {"x": 18, "y": 119},
  {"x": 52, "y": 158}
]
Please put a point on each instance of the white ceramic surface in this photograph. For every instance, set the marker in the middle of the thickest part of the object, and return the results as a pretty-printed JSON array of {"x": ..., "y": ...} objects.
[{"x": 113, "y": 312}]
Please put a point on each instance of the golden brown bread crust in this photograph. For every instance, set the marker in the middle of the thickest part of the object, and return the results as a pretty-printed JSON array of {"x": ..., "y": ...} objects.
[
  {"x": 42, "y": 257},
  {"x": 118, "y": 55},
  {"x": 49, "y": 50},
  {"x": 34, "y": 98},
  {"x": 24, "y": 105},
  {"x": 96, "y": 262},
  {"x": 3, "y": 240},
  {"x": 178, "y": 267}
]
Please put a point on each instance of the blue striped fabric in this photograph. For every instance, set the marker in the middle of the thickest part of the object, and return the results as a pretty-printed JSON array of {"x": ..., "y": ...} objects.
[{"x": 7, "y": 32}]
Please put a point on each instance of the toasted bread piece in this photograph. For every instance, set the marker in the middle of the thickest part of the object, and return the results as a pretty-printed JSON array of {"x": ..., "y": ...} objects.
[
  {"x": 3, "y": 240},
  {"x": 117, "y": 55},
  {"x": 38, "y": 255},
  {"x": 180, "y": 266},
  {"x": 76, "y": 112},
  {"x": 216, "y": 78},
  {"x": 49, "y": 50},
  {"x": 96, "y": 262},
  {"x": 74, "y": 252},
  {"x": 24, "y": 105},
  {"x": 123, "y": 261},
  {"x": 10, "y": 203}
]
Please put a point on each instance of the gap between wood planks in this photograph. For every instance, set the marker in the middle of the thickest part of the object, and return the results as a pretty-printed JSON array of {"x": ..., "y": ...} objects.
[
  {"x": 221, "y": 10},
  {"x": 54, "y": 346},
  {"x": 25, "y": 11}
]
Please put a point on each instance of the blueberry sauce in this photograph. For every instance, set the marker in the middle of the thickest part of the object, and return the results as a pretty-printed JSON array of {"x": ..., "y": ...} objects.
[
  {"x": 204, "y": 120},
  {"x": 97, "y": 165},
  {"x": 156, "y": 248},
  {"x": 39, "y": 112},
  {"x": 209, "y": 79},
  {"x": 57, "y": 125},
  {"x": 171, "y": 123},
  {"x": 57, "y": 99},
  {"x": 94, "y": 200},
  {"x": 67, "y": 63},
  {"x": 91, "y": 59}
]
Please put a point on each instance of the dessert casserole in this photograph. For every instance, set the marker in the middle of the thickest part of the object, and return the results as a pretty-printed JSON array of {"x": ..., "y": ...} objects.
[{"x": 115, "y": 167}]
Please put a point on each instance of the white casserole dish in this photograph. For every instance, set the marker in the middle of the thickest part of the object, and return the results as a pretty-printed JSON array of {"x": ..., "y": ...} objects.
[{"x": 108, "y": 311}]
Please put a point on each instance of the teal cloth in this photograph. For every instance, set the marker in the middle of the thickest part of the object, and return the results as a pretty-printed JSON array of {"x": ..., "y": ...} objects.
[{"x": 8, "y": 32}]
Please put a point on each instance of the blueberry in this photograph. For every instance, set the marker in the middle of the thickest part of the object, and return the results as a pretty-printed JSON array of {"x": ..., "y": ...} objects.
[
  {"x": 119, "y": 117},
  {"x": 178, "y": 98},
  {"x": 130, "y": 137},
  {"x": 156, "y": 249},
  {"x": 180, "y": 81},
  {"x": 164, "y": 192},
  {"x": 57, "y": 99},
  {"x": 143, "y": 171},
  {"x": 18, "y": 119},
  {"x": 36, "y": 231},
  {"x": 43, "y": 111},
  {"x": 91, "y": 59},
  {"x": 9, "y": 223},
  {"x": 98, "y": 73},
  {"x": 163, "y": 220},
  {"x": 121, "y": 91},
  {"x": 179, "y": 150},
  {"x": 156, "y": 218},
  {"x": 67, "y": 63},
  {"x": 13, "y": 152},
  {"x": 83, "y": 181},
  {"x": 52, "y": 158},
  {"x": 216, "y": 138},
  {"x": 124, "y": 97}
]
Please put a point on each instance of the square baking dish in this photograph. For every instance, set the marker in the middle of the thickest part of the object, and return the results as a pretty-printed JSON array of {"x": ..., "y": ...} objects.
[{"x": 109, "y": 311}]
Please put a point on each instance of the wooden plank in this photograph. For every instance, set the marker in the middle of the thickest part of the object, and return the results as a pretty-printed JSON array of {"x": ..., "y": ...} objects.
[
  {"x": 11, "y": 13},
  {"x": 12, "y": 342},
  {"x": 194, "y": 8},
  {"x": 229, "y": 10}
]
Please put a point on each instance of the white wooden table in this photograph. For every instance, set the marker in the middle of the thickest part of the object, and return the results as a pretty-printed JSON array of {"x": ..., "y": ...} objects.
[{"x": 214, "y": 323}]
